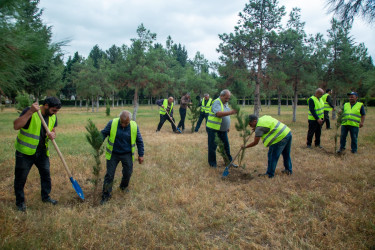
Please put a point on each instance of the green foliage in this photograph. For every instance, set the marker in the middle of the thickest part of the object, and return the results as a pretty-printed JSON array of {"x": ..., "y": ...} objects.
[
  {"x": 23, "y": 101},
  {"x": 338, "y": 125},
  {"x": 194, "y": 113},
  {"x": 107, "y": 108},
  {"x": 221, "y": 150},
  {"x": 95, "y": 139}
]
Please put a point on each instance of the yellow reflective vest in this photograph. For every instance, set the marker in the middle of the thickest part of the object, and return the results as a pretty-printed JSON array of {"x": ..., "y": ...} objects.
[
  {"x": 352, "y": 115},
  {"x": 327, "y": 107},
  {"x": 165, "y": 104},
  {"x": 213, "y": 121},
  {"x": 28, "y": 139},
  {"x": 277, "y": 132},
  {"x": 319, "y": 108},
  {"x": 112, "y": 137},
  {"x": 206, "y": 108}
]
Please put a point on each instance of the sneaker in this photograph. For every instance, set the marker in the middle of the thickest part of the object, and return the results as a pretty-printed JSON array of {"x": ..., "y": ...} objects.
[
  {"x": 157, "y": 131},
  {"x": 234, "y": 165},
  {"x": 104, "y": 200},
  {"x": 287, "y": 172},
  {"x": 125, "y": 189},
  {"x": 341, "y": 150},
  {"x": 354, "y": 152},
  {"x": 213, "y": 166},
  {"x": 309, "y": 146},
  {"x": 264, "y": 175},
  {"x": 49, "y": 200},
  {"x": 21, "y": 207},
  {"x": 319, "y": 146}
]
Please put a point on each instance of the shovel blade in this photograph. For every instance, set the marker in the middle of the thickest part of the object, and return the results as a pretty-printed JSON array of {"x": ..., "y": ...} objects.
[
  {"x": 226, "y": 172},
  {"x": 77, "y": 188}
]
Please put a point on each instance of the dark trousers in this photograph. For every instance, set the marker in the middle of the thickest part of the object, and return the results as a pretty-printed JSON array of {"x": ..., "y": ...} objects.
[
  {"x": 353, "y": 136},
  {"x": 202, "y": 115},
  {"x": 127, "y": 170},
  {"x": 181, "y": 124},
  {"x": 314, "y": 128},
  {"x": 164, "y": 118},
  {"x": 23, "y": 167},
  {"x": 326, "y": 119},
  {"x": 223, "y": 136},
  {"x": 282, "y": 147}
]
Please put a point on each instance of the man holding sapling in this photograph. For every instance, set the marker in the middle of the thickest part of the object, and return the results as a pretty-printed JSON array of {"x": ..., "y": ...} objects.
[
  {"x": 353, "y": 117},
  {"x": 219, "y": 123},
  {"x": 123, "y": 134},
  {"x": 166, "y": 106},
  {"x": 32, "y": 148},
  {"x": 315, "y": 118},
  {"x": 275, "y": 135},
  {"x": 205, "y": 109}
]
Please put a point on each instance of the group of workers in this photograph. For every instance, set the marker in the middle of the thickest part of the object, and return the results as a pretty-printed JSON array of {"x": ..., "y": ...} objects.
[{"x": 124, "y": 134}]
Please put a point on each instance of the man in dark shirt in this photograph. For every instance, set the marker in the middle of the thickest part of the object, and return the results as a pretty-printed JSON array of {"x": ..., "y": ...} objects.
[
  {"x": 122, "y": 134},
  {"x": 185, "y": 102},
  {"x": 32, "y": 148}
]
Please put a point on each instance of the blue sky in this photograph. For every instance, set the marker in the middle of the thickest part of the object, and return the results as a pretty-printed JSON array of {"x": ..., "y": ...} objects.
[{"x": 195, "y": 24}]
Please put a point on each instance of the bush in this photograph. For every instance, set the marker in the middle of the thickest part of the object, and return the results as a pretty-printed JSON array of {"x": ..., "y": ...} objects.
[{"x": 23, "y": 101}]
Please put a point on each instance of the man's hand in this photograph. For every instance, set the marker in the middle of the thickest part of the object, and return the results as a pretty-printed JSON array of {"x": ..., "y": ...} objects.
[
  {"x": 234, "y": 111},
  {"x": 320, "y": 121},
  {"x": 163, "y": 106},
  {"x": 34, "y": 107},
  {"x": 140, "y": 159},
  {"x": 52, "y": 135},
  {"x": 361, "y": 124}
]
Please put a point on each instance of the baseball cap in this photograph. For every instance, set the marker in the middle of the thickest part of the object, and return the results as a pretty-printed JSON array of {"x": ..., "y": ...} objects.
[{"x": 353, "y": 93}]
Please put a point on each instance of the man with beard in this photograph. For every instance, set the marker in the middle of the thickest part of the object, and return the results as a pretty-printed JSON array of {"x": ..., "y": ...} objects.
[{"x": 32, "y": 148}]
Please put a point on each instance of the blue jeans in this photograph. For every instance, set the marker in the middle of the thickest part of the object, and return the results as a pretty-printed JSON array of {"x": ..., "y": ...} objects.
[
  {"x": 202, "y": 115},
  {"x": 282, "y": 147},
  {"x": 127, "y": 170},
  {"x": 23, "y": 167},
  {"x": 223, "y": 136},
  {"x": 353, "y": 135}
]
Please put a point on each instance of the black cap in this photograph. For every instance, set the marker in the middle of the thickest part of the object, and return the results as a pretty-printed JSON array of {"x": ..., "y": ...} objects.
[
  {"x": 353, "y": 93},
  {"x": 253, "y": 118}
]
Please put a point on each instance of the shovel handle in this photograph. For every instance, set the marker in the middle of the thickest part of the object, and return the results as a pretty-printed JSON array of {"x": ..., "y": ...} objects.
[
  {"x": 54, "y": 144},
  {"x": 240, "y": 150}
]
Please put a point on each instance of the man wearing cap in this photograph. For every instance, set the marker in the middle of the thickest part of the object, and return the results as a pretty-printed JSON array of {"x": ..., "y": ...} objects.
[
  {"x": 185, "y": 102},
  {"x": 123, "y": 134},
  {"x": 166, "y": 106},
  {"x": 315, "y": 119},
  {"x": 328, "y": 105},
  {"x": 219, "y": 123},
  {"x": 353, "y": 117},
  {"x": 205, "y": 109},
  {"x": 275, "y": 135}
]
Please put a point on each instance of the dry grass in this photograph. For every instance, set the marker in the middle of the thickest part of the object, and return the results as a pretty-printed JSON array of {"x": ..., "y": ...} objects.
[{"x": 177, "y": 201}]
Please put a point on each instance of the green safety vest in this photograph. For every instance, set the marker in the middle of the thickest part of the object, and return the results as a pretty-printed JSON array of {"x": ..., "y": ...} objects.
[
  {"x": 352, "y": 115},
  {"x": 206, "y": 108},
  {"x": 319, "y": 108},
  {"x": 278, "y": 130},
  {"x": 327, "y": 107},
  {"x": 165, "y": 103},
  {"x": 112, "y": 137},
  {"x": 28, "y": 139},
  {"x": 213, "y": 121}
]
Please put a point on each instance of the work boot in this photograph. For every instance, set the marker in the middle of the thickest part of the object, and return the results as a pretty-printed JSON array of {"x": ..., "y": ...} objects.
[
  {"x": 104, "y": 200},
  {"x": 309, "y": 146},
  {"x": 285, "y": 171},
  {"x": 341, "y": 151},
  {"x": 49, "y": 200},
  {"x": 319, "y": 146},
  {"x": 21, "y": 207},
  {"x": 265, "y": 175}
]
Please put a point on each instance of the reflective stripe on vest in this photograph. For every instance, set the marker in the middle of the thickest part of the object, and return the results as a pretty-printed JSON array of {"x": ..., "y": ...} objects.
[
  {"x": 327, "y": 107},
  {"x": 213, "y": 121},
  {"x": 28, "y": 139},
  {"x": 278, "y": 130},
  {"x": 319, "y": 108},
  {"x": 112, "y": 137},
  {"x": 206, "y": 108},
  {"x": 165, "y": 104},
  {"x": 352, "y": 115}
]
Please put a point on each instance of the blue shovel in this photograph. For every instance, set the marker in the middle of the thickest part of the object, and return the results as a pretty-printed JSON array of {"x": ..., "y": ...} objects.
[{"x": 75, "y": 184}]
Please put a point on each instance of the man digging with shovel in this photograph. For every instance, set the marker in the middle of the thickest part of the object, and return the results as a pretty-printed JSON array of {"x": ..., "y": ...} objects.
[{"x": 277, "y": 137}]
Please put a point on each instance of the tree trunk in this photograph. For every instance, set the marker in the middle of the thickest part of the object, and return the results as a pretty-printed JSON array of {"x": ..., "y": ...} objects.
[
  {"x": 97, "y": 103},
  {"x": 92, "y": 104},
  {"x": 269, "y": 101},
  {"x": 135, "y": 103},
  {"x": 117, "y": 103},
  {"x": 113, "y": 100},
  {"x": 287, "y": 101},
  {"x": 243, "y": 102},
  {"x": 75, "y": 101},
  {"x": 80, "y": 103},
  {"x": 279, "y": 103},
  {"x": 295, "y": 102},
  {"x": 334, "y": 111}
]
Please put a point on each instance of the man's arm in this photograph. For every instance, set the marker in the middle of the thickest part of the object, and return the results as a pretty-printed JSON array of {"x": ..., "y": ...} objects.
[
  {"x": 140, "y": 146},
  {"x": 21, "y": 121},
  {"x": 107, "y": 130},
  {"x": 312, "y": 110},
  {"x": 225, "y": 113},
  {"x": 159, "y": 102},
  {"x": 363, "y": 116},
  {"x": 329, "y": 101},
  {"x": 254, "y": 143}
]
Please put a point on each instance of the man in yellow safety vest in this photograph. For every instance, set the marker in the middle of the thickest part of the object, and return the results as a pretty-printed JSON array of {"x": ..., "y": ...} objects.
[
  {"x": 32, "y": 148},
  {"x": 353, "y": 118},
  {"x": 278, "y": 137},
  {"x": 166, "y": 113},
  {"x": 123, "y": 134},
  {"x": 328, "y": 106},
  {"x": 205, "y": 109},
  {"x": 315, "y": 118}
]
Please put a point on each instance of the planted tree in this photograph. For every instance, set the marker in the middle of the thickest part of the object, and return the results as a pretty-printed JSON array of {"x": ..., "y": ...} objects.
[
  {"x": 95, "y": 139},
  {"x": 194, "y": 113}
]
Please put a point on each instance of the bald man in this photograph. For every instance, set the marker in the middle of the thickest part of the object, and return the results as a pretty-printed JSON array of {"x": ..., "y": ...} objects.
[
  {"x": 316, "y": 115},
  {"x": 123, "y": 134},
  {"x": 166, "y": 113}
]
